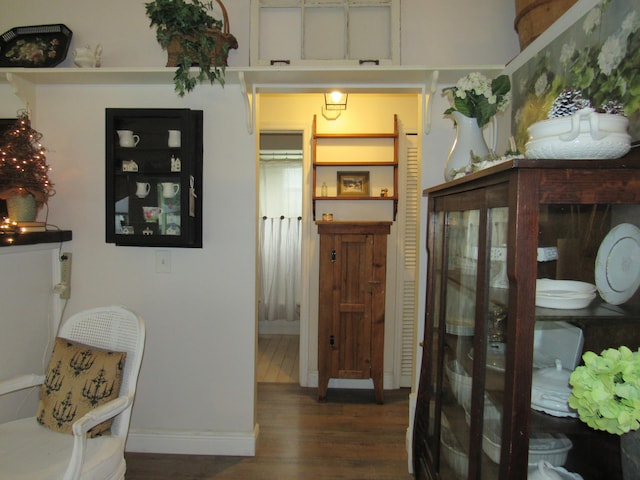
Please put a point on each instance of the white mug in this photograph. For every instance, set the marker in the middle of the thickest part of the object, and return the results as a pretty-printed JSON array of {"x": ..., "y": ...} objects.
[
  {"x": 127, "y": 138},
  {"x": 143, "y": 189},
  {"x": 169, "y": 190},
  {"x": 174, "y": 138}
]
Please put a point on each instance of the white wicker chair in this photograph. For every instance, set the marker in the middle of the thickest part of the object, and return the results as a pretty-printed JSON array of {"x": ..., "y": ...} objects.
[{"x": 30, "y": 451}]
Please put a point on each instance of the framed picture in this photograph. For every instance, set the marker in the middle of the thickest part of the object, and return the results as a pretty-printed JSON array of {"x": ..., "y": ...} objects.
[{"x": 353, "y": 183}]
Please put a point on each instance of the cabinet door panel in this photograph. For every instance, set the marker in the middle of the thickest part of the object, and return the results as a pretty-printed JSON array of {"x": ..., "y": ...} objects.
[
  {"x": 352, "y": 323},
  {"x": 153, "y": 185},
  {"x": 352, "y": 303}
]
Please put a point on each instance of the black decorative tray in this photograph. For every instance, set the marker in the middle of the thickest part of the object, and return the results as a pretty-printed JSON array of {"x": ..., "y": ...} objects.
[{"x": 36, "y": 46}]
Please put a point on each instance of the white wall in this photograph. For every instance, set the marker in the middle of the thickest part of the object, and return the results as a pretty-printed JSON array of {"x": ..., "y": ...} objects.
[{"x": 197, "y": 387}]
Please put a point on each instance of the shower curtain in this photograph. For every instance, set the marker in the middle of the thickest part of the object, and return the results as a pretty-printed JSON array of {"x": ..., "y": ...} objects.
[{"x": 280, "y": 240}]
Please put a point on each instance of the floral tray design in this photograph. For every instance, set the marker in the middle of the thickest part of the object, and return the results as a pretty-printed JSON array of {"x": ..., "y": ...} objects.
[{"x": 36, "y": 46}]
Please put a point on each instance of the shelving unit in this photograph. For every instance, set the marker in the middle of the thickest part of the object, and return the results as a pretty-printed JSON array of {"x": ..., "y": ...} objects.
[
  {"x": 356, "y": 141},
  {"x": 474, "y": 415}
]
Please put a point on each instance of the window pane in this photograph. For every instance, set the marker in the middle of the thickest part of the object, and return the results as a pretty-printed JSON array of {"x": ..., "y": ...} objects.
[
  {"x": 369, "y": 33},
  {"x": 324, "y": 33},
  {"x": 277, "y": 43}
]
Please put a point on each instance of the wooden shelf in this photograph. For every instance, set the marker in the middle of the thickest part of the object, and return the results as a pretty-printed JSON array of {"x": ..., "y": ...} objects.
[
  {"x": 52, "y": 236},
  {"x": 357, "y": 164}
]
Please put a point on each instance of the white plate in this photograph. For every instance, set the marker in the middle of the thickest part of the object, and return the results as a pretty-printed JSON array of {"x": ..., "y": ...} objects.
[{"x": 618, "y": 264}]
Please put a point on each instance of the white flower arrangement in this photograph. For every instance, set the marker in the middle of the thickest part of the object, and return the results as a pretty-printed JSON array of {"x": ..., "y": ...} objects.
[{"x": 476, "y": 97}]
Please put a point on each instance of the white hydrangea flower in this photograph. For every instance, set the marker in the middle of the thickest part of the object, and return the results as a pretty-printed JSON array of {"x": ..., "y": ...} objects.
[
  {"x": 568, "y": 49},
  {"x": 518, "y": 116},
  {"x": 522, "y": 85},
  {"x": 611, "y": 54},
  {"x": 630, "y": 24},
  {"x": 591, "y": 21},
  {"x": 541, "y": 85},
  {"x": 502, "y": 104}
]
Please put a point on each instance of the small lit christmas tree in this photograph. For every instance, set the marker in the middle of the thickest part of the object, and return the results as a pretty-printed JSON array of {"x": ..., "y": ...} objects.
[{"x": 23, "y": 164}]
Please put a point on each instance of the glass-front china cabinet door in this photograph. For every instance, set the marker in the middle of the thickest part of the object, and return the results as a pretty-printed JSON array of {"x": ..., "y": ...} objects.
[
  {"x": 468, "y": 289},
  {"x": 154, "y": 177}
]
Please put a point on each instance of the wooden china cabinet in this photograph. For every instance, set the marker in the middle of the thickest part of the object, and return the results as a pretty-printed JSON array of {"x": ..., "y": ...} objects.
[{"x": 490, "y": 236}]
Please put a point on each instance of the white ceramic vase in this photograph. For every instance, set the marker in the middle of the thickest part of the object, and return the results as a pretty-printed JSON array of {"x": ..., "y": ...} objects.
[{"x": 469, "y": 138}]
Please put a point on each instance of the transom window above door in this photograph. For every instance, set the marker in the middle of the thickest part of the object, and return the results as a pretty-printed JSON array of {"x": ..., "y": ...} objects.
[{"x": 325, "y": 32}]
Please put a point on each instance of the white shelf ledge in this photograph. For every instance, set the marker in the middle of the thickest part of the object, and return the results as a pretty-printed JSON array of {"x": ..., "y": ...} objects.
[{"x": 282, "y": 79}]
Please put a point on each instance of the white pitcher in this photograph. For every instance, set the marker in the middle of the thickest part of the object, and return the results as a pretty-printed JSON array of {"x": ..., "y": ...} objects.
[{"x": 85, "y": 57}]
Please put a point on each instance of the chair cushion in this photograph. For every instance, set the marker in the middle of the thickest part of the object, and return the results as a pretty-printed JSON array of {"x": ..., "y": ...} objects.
[
  {"x": 78, "y": 379},
  {"x": 29, "y": 451}
]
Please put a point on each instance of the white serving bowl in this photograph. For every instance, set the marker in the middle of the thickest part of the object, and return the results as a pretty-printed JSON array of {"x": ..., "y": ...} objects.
[
  {"x": 564, "y": 294},
  {"x": 584, "y": 135},
  {"x": 551, "y": 447},
  {"x": 454, "y": 454},
  {"x": 460, "y": 383}
]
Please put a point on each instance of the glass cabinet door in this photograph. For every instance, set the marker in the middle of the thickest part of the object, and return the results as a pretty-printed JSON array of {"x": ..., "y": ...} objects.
[
  {"x": 495, "y": 341},
  {"x": 473, "y": 330},
  {"x": 459, "y": 292},
  {"x": 154, "y": 176}
]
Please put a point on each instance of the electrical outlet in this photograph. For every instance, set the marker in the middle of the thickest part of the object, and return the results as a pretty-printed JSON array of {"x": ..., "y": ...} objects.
[{"x": 65, "y": 275}]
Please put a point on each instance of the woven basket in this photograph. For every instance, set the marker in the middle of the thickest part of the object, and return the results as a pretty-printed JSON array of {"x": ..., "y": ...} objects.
[
  {"x": 534, "y": 16},
  {"x": 218, "y": 56}
]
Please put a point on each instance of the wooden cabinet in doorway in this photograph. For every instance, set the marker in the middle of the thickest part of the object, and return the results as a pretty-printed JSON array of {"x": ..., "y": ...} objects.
[{"x": 353, "y": 261}]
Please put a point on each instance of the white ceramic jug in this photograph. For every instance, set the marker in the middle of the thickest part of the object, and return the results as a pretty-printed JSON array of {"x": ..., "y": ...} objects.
[{"x": 85, "y": 57}]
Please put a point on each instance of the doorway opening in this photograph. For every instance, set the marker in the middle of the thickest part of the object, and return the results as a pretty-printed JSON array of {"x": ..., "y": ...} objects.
[{"x": 279, "y": 251}]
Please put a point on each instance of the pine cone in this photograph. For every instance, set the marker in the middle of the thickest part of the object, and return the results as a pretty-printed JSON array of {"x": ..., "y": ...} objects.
[
  {"x": 568, "y": 103},
  {"x": 613, "y": 107}
]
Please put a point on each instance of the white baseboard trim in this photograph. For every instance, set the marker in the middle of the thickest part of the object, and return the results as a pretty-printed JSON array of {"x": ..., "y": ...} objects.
[
  {"x": 193, "y": 443},
  {"x": 279, "y": 327},
  {"x": 387, "y": 382}
]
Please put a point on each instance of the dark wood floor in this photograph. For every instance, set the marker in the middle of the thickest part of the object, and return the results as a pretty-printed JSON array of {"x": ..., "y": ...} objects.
[{"x": 348, "y": 437}]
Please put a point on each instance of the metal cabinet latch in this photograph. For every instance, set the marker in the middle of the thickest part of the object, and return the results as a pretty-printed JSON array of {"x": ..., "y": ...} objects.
[{"x": 333, "y": 256}]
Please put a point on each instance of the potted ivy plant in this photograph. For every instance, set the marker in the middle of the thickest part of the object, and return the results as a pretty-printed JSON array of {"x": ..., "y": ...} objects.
[{"x": 191, "y": 36}]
